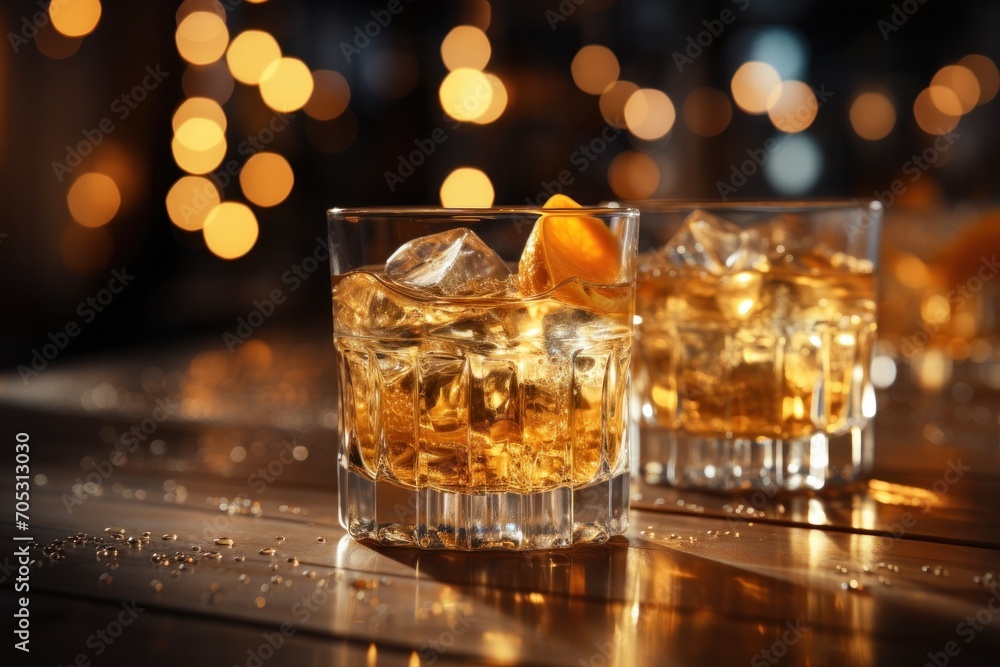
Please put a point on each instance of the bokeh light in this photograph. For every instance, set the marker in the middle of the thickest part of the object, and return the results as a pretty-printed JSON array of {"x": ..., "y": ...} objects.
[
  {"x": 198, "y": 162},
  {"x": 707, "y": 111},
  {"x": 872, "y": 116},
  {"x": 250, "y": 53},
  {"x": 986, "y": 74},
  {"x": 202, "y": 38},
  {"x": 93, "y": 199},
  {"x": 929, "y": 117},
  {"x": 594, "y": 69},
  {"x": 54, "y": 44},
  {"x": 266, "y": 179},
  {"x": 796, "y": 166},
  {"x": 613, "y": 100},
  {"x": 466, "y": 94},
  {"x": 199, "y": 107},
  {"x": 753, "y": 86},
  {"x": 330, "y": 95},
  {"x": 633, "y": 175},
  {"x": 75, "y": 18},
  {"x": 649, "y": 114},
  {"x": 199, "y": 134},
  {"x": 793, "y": 107},
  {"x": 467, "y": 187},
  {"x": 783, "y": 48},
  {"x": 465, "y": 46},
  {"x": 955, "y": 90},
  {"x": 286, "y": 85},
  {"x": 230, "y": 230},
  {"x": 190, "y": 200},
  {"x": 498, "y": 101}
]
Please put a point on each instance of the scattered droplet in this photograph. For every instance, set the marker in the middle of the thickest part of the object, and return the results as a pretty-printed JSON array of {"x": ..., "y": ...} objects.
[
  {"x": 293, "y": 561},
  {"x": 224, "y": 541},
  {"x": 266, "y": 551},
  {"x": 169, "y": 536},
  {"x": 156, "y": 585},
  {"x": 279, "y": 538},
  {"x": 116, "y": 531},
  {"x": 239, "y": 559},
  {"x": 321, "y": 540},
  {"x": 106, "y": 579},
  {"x": 195, "y": 548}
]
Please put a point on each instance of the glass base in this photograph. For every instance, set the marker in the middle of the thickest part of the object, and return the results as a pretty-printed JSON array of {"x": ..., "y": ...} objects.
[
  {"x": 723, "y": 464},
  {"x": 390, "y": 514}
]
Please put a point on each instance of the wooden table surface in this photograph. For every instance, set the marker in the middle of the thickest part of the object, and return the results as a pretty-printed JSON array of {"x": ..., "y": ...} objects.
[{"x": 901, "y": 569}]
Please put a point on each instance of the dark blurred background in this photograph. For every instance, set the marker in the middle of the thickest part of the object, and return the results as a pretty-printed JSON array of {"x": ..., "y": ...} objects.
[{"x": 107, "y": 165}]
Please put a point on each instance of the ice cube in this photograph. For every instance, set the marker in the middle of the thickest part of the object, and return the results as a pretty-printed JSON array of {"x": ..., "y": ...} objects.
[
  {"x": 364, "y": 306},
  {"x": 712, "y": 244},
  {"x": 452, "y": 263}
]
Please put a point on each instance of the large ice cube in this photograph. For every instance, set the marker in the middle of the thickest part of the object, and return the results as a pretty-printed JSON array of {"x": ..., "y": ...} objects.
[
  {"x": 712, "y": 244},
  {"x": 452, "y": 263}
]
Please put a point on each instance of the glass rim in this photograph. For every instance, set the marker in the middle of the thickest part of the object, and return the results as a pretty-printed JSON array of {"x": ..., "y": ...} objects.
[
  {"x": 433, "y": 212},
  {"x": 761, "y": 205}
]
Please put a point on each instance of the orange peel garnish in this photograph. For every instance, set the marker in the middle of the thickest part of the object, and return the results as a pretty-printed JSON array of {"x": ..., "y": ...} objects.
[{"x": 562, "y": 247}]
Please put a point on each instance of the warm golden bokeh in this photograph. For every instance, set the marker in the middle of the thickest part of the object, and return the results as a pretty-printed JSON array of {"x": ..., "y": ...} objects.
[
  {"x": 75, "y": 18},
  {"x": 199, "y": 134},
  {"x": 202, "y": 38},
  {"x": 633, "y": 175},
  {"x": 649, "y": 114},
  {"x": 465, "y": 46},
  {"x": 330, "y": 95},
  {"x": 199, "y": 107},
  {"x": 266, "y": 179},
  {"x": 986, "y": 73},
  {"x": 56, "y": 45},
  {"x": 753, "y": 85},
  {"x": 498, "y": 101},
  {"x": 466, "y": 94},
  {"x": 93, "y": 199},
  {"x": 198, "y": 162},
  {"x": 955, "y": 90},
  {"x": 230, "y": 230},
  {"x": 594, "y": 69},
  {"x": 189, "y": 201},
  {"x": 467, "y": 187},
  {"x": 929, "y": 117},
  {"x": 792, "y": 107},
  {"x": 286, "y": 85},
  {"x": 250, "y": 53},
  {"x": 707, "y": 111},
  {"x": 613, "y": 102},
  {"x": 872, "y": 116}
]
